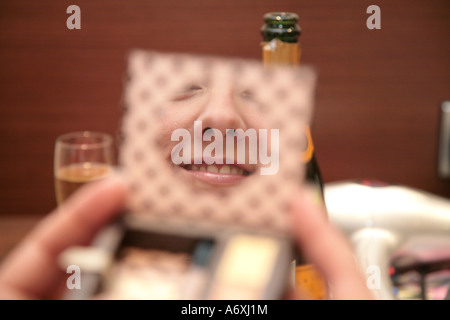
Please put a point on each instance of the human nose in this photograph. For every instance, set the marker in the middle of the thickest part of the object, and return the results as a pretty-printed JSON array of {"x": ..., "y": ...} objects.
[{"x": 222, "y": 112}]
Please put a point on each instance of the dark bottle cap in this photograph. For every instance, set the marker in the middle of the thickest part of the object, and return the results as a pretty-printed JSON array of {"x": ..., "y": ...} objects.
[{"x": 281, "y": 25}]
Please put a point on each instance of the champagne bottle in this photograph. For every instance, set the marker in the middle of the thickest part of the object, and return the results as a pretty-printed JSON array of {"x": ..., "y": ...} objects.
[{"x": 281, "y": 46}]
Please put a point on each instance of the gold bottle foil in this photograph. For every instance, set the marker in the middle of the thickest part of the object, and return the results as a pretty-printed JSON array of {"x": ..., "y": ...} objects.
[{"x": 280, "y": 53}]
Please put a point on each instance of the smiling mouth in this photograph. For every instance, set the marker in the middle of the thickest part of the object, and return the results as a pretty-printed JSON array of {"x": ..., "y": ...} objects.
[
  {"x": 217, "y": 174},
  {"x": 218, "y": 169}
]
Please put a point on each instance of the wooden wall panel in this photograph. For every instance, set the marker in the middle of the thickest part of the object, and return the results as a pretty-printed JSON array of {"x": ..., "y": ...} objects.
[{"x": 378, "y": 97}]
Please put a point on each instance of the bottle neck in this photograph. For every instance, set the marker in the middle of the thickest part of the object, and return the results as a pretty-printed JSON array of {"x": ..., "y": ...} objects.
[
  {"x": 281, "y": 34},
  {"x": 277, "y": 52}
]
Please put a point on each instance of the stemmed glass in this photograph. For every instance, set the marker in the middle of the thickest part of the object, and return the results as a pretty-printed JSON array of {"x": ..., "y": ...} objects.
[{"x": 81, "y": 157}]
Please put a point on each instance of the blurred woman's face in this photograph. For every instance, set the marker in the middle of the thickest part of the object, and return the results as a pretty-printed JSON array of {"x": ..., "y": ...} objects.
[{"x": 219, "y": 107}]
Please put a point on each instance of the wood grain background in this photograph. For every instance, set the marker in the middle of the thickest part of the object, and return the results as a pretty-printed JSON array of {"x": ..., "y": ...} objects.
[{"x": 378, "y": 98}]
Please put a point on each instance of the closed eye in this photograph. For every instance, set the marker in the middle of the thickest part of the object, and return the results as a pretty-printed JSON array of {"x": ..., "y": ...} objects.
[{"x": 188, "y": 92}]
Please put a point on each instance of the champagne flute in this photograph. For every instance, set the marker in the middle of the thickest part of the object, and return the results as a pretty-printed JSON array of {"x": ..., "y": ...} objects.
[{"x": 81, "y": 157}]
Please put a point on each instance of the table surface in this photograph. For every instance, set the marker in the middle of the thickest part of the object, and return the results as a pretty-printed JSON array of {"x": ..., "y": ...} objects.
[{"x": 13, "y": 228}]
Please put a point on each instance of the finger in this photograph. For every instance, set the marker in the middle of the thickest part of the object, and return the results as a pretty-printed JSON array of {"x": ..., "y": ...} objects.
[
  {"x": 326, "y": 248},
  {"x": 32, "y": 270}
]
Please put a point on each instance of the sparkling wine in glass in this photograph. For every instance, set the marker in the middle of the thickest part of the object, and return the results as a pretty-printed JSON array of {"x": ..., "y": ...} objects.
[{"x": 81, "y": 157}]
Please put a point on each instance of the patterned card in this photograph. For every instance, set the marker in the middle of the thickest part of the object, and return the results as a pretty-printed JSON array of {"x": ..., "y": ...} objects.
[{"x": 214, "y": 140}]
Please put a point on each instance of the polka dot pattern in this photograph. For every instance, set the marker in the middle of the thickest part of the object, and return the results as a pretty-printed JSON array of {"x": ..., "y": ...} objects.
[{"x": 282, "y": 96}]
